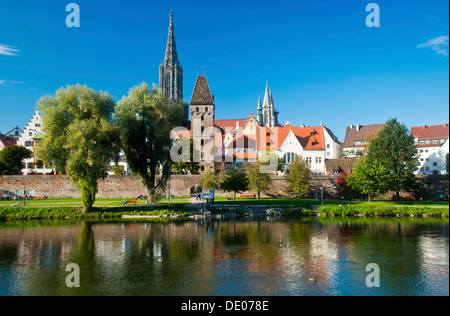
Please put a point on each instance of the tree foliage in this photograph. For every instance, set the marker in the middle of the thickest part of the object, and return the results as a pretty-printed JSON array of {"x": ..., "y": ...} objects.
[
  {"x": 343, "y": 186},
  {"x": 80, "y": 137},
  {"x": 146, "y": 118},
  {"x": 235, "y": 180},
  {"x": 211, "y": 180},
  {"x": 258, "y": 180},
  {"x": 186, "y": 165},
  {"x": 299, "y": 176},
  {"x": 11, "y": 159},
  {"x": 395, "y": 149},
  {"x": 369, "y": 177}
]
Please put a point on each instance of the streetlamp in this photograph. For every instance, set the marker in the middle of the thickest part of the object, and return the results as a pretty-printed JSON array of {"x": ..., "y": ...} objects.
[{"x": 321, "y": 195}]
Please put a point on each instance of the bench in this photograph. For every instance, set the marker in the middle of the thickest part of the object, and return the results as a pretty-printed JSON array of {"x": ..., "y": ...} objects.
[{"x": 247, "y": 196}]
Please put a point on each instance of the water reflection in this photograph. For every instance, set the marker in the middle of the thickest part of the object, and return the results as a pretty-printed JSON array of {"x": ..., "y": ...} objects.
[{"x": 283, "y": 257}]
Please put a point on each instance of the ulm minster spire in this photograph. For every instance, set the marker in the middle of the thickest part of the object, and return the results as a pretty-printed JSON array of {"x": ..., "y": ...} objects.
[{"x": 170, "y": 71}]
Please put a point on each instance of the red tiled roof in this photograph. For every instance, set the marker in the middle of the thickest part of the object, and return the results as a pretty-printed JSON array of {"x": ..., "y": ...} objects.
[
  {"x": 353, "y": 134},
  {"x": 311, "y": 138},
  {"x": 202, "y": 94},
  {"x": 430, "y": 132},
  {"x": 7, "y": 141},
  {"x": 223, "y": 124}
]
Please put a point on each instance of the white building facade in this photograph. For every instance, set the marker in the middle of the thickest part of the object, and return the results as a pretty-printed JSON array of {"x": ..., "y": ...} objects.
[
  {"x": 433, "y": 145},
  {"x": 30, "y": 137}
]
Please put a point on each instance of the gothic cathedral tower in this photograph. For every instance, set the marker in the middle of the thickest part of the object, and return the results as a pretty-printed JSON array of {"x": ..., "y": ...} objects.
[{"x": 170, "y": 71}]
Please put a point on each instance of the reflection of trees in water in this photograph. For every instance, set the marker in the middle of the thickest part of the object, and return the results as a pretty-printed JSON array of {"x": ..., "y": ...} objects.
[{"x": 188, "y": 258}]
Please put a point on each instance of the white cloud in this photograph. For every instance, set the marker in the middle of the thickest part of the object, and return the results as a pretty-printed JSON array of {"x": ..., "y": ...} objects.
[
  {"x": 438, "y": 44},
  {"x": 5, "y": 82},
  {"x": 8, "y": 50}
]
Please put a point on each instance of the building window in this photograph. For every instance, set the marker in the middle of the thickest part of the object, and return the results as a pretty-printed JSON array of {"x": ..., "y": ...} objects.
[
  {"x": 29, "y": 144},
  {"x": 435, "y": 164},
  {"x": 202, "y": 142},
  {"x": 335, "y": 171},
  {"x": 318, "y": 159},
  {"x": 268, "y": 144},
  {"x": 197, "y": 109},
  {"x": 427, "y": 169},
  {"x": 422, "y": 142},
  {"x": 203, "y": 117},
  {"x": 427, "y": 142},
  {"x": 328, "y": 145},
  {"x": 442, "y": 141},
  {"x": 268, "y": 134},
  {"x": 328, "y": 154},
  {"x": 289, "y": 158},
  {"x": 435, "y": 141},
  {"x": 206, "y": 109},
  {"x": 309, "y": 160}
]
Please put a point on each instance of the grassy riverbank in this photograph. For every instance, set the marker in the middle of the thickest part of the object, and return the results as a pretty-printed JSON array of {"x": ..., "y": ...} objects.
[
  {"x": 28, "y": 213},
  {"x": 383, "y": 211}
]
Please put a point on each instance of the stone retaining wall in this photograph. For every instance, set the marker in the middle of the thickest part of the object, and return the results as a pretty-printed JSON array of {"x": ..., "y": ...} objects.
[{"x": 130, "y": 187}]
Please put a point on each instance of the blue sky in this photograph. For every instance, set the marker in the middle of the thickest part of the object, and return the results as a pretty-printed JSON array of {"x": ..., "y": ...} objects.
[{"x": 321, "y": 60}]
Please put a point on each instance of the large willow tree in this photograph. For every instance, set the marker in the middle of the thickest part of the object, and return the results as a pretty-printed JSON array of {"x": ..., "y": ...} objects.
[
  {"x": 146, "y": 118},
  {"x": 80, "y": 137}
]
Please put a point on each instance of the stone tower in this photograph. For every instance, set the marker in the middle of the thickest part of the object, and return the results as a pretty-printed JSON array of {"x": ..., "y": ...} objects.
[
  {"x": 260, "y": 112},
  {"x": 202, "y": 110},
  {"x": 170, "y": 71},
  {"x": 269, "y": 114}
]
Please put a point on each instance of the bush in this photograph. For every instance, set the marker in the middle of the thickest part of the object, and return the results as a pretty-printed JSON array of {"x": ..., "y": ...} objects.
[{"x": 385, "y": 211}]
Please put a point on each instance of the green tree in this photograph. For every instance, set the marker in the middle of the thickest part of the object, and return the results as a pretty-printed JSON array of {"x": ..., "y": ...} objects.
[
  {"x": 269, "y": 157},
  {"x": 79, "y": 137},
  {"x": 369, "y": 177},
  {"x": 258, "y": 180},
  {"x": 211, "y": 180},
  {"x": 146, "y": 118},
  {"x": 235, "y": 180},
  {"x": 118, "y": 170},
  {"x": 186, "y": 166},
  {"x": 299, "y": 176},
  {"x": 395, "y": 149},
  {"x": 11, "y": 159}
]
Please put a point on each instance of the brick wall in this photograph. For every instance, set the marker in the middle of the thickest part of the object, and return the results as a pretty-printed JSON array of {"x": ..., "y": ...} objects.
[{"x": 130, "y": 187}]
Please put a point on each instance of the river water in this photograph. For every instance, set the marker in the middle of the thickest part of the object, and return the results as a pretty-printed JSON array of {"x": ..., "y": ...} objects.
[{"x": 289, "y": 257}]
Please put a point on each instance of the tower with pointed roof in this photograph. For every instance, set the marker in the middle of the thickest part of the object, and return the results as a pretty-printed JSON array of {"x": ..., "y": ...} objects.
[
  {"x": 202, "y": 110},
  {"x": 260, "y": 111},
  {"x": 269, "y": 117},
  {"x": 170, "y": 71}
]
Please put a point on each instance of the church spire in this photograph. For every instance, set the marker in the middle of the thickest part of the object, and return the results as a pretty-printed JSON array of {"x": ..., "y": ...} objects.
[
  {"x": 269, "y": 114},
  {"x": 260, "y": 111},
  {"x": 170, "y": 71},
  {"x": 171, "y": 48}
]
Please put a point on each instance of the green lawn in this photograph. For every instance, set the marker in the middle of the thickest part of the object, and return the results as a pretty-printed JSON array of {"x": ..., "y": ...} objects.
[
  {"x": 112, "y": 202},
  {"x": 103, "y": 202},
  {"x": 309, "y": 202}
]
